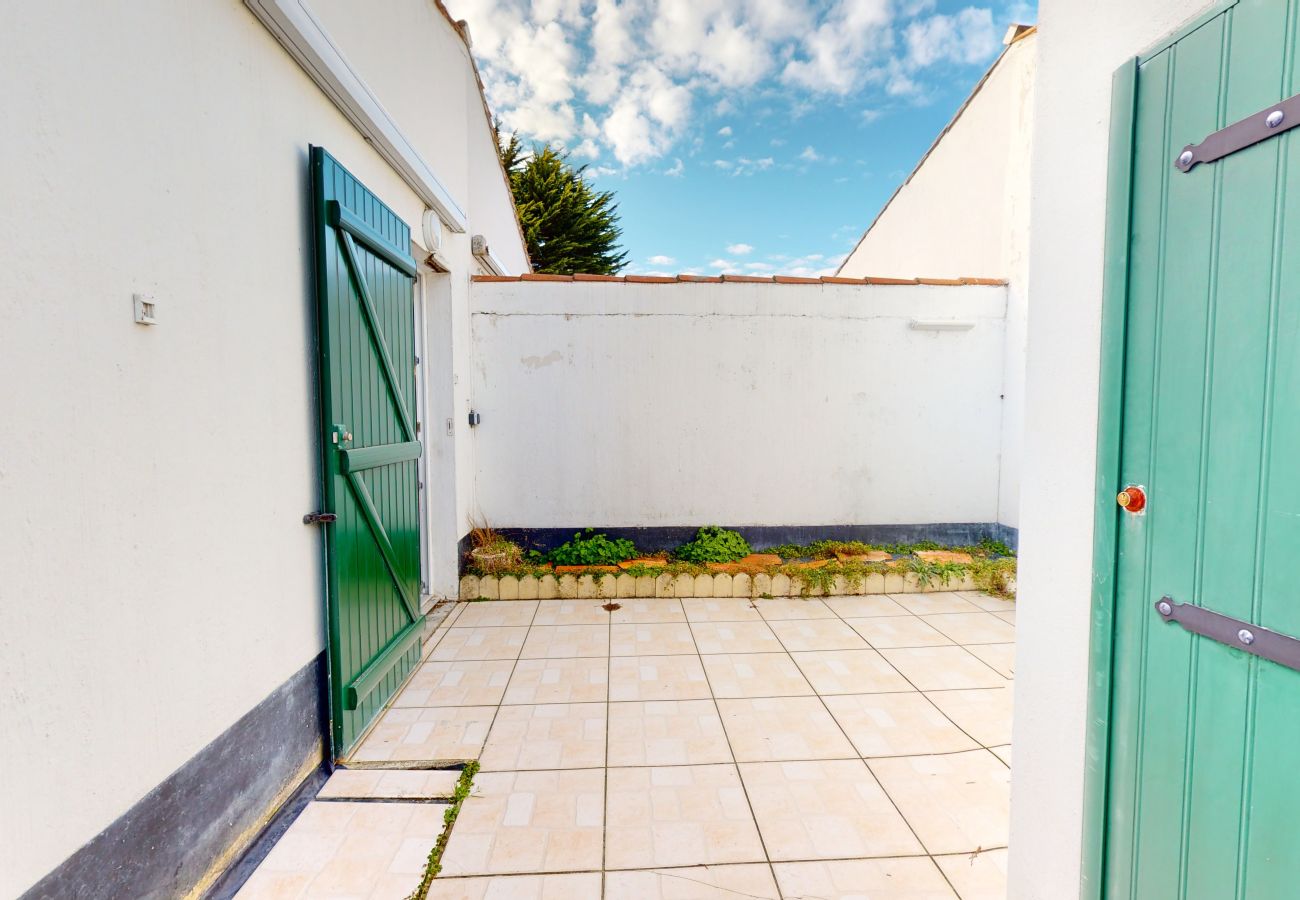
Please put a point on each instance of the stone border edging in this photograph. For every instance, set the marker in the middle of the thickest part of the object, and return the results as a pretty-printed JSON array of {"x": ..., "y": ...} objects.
[{"x": 741, "y": 585}]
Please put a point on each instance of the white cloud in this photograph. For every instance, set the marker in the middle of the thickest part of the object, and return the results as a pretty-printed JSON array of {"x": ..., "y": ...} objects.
[
  {"x": 661, "y": 260},
  {"x": 760, "y": 267},
  {"x": 740, "y": 249},
  {"x": 618, "y": 79},
  {"x": 809, "y": 154},
  {"x": 676, "y": 170},
  {"x": 725, "y": 265},
  {"x": 966, "y": 37}
]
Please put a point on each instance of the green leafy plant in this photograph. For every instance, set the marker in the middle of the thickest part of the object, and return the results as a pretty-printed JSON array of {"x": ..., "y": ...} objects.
[
  {"x": 820, "y": 549},
  {"x": 492, "y": 554},
  {"x": 588, "y": 548},
  {"x": 434, "y": 866},
  {"x": 714, "y": 544}
]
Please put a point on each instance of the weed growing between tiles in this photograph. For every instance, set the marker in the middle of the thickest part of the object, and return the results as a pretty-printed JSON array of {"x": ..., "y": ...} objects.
[{"x": 449, "y": 818}]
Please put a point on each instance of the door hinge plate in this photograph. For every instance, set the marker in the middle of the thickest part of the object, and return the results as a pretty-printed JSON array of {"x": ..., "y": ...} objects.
[
  {"x": 1249, "y": 131},
  {"x": 1271, "y": 645},
  {"x": 320, "y": 518}
]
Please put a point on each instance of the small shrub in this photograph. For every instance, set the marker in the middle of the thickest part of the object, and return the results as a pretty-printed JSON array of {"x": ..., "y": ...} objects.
[
  {"x": 492, "y": 554},
  {"x": 714, "y": 544},
  {"x": 591, "y": 549}
]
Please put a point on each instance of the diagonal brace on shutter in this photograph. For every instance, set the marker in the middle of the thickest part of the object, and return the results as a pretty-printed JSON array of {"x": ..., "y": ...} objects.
[
  {"x": 1266, "y": 123},
  {"x": 376, "y": 334}
]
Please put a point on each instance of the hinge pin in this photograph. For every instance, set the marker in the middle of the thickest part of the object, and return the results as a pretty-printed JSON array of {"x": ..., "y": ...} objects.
[{"x": 1275, "y": 118}]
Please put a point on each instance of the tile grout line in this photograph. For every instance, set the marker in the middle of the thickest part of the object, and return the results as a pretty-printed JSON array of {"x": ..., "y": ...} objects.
[
  {"x": 604, "y": 809},
  {"x": 979, "y": 744},
  {"x": 854, "y": 746},
  {"x": 762, "y": 842},
  {"x": 929, "y": 855}
]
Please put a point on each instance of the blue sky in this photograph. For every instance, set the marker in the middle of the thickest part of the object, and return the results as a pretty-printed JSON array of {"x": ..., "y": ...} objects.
[{"x": 752, "y": 136}]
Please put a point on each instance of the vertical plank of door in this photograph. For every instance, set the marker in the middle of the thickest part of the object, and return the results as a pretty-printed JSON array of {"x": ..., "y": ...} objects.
[
  {"x": 1233, "y": 437},
  {"x": 1269, "y": 859},
  {"x": 1176, "y": 475},
  {"x": 1150, "y": 170}
]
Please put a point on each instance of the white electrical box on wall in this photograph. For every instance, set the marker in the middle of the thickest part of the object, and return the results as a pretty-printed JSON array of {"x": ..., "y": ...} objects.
[{"x": 146, "y": 309}]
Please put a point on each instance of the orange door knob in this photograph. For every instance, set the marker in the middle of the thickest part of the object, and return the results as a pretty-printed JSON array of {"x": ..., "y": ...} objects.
[{"x": 1132, "y": 499}]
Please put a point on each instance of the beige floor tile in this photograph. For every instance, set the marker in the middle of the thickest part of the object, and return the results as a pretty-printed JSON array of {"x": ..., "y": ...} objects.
[
  {"x": 735, "y": 637},
  {"x": 956, "y": 803},
  {"x": 337, "y": 849},
  {"x": 390, "y": 784},
  {"x": 547, "y": 736},
  {"x": 493, "y": 642},
  {"x": 896, "y": 725},
  {"x": 1009, "y": 617},
  {"x": 817, "y": 634},
  {"x": 898, "y": 631},
  {"x": 480, "y": 613},
  {"x": 1000, "y": 656},
  {"x": 678, "y": 815},
  {"x": 942, "y": 668},
  {"x": 438, "y": 734},
  {"x": 864, "y": 606},
  {"x": 849, "y": 672},
  {"x": 755, "y": 675},
  {"x": 570, "y": 886},
  {"x": 566, "y": 641},
  {"x": 988, "y": 601},
  {"x": 832, "y": 809},
  {"x": 666, "y": 733},
  {"x": 972, "y": 628},
  {"x": 657, "y": 678},
  {"x": 584, "y": 680},
  {"x": 977, "y": 876},
  {"x": 1003, "y": 753},
  {"x": 651, "y": 639},
  {"x": 704, "y": 609},
  {"x": 648, "y": 611},
  {"x": 469, "y": 682},
  {"x": 793, "y": 608},
  {"x": 935, "y": 602},
  {"x": 983, "y": 713},
  {"x": 529, "y": 822},
  {"x": 571, "y": 612},
  {"x": 735, "y": 882},
  {"x": 768, "y": 729},
  {"x": 909, "y": 878}
]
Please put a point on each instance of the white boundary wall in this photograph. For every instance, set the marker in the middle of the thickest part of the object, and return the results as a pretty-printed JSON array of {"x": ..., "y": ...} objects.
[{"x": 629, "y": 404}]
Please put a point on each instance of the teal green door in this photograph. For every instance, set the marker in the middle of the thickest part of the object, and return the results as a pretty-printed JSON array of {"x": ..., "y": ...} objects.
[
  {"x": 1203, "y": 790},
  {"x": 370, "y": 449}
]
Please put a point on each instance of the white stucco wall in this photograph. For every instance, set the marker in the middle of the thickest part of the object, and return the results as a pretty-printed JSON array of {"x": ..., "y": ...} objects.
[
  {"x": 964, "y": 211},
  {"x": 1081, "y": 46},
  {"x": 735, "y": 403},
  {"x": 158, "y": 582}
]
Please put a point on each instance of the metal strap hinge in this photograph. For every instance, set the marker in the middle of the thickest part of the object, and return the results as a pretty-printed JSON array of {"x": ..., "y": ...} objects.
[
  {"x": 1271, "y": 645},
  {"x": 319, "y": 518},
  {"x": 1249, "y": 131}
]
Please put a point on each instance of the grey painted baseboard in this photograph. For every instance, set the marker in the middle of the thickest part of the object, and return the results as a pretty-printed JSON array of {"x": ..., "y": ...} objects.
[
  {"x": 168, "y": 841},
  {"x": 760, "y": 536}
]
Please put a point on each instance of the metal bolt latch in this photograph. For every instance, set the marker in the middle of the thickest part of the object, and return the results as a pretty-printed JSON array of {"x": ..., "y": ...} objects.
[
  {"x": 1246, "y": 636},
  {"x": 1275, "y": 118}
]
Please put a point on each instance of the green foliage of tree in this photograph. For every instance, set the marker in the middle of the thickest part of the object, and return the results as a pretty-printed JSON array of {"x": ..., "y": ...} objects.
[{"x": 569, "y": 227}]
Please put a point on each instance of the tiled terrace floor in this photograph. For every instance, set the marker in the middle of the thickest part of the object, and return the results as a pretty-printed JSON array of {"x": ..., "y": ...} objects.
[{"x": 695, "y": 748}]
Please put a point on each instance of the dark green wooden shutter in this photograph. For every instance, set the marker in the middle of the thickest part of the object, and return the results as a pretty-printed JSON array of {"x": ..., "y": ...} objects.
[{"x": 364, "y": 286}]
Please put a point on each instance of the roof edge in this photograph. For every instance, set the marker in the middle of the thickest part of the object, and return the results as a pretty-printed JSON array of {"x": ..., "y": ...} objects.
[{"x": 1014, "y": 36}]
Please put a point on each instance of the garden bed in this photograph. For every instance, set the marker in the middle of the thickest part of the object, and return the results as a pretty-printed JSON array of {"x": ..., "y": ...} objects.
[{"x": 720, "y": 564}]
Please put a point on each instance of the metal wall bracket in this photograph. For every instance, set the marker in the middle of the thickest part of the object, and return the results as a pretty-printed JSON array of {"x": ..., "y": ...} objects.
[
  {"x": 1249, "y": 131},
  {"x": 1271, "y": 645}
]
